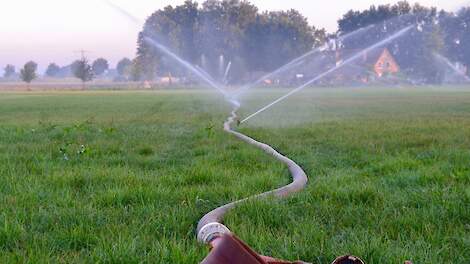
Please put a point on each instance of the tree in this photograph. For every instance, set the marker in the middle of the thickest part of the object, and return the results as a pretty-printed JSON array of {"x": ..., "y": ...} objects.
[
  {"x": 28, "y": 73},
  {"x": 83, "y": 71},
  {"x": 354, "y": 20},
  {"x": 52, "y": 70},
  {"x": 218, "y": 32},
  {"x": 9, "y": 71},
  {"x": 414, "y": 51},
  {"x": 100, "y": 66},
  {"x": 123, "y": 68},
  {"x": 457, "y": 35},
  {"x": 135, "y": 71},
  {"x": 278, "y": 37}
]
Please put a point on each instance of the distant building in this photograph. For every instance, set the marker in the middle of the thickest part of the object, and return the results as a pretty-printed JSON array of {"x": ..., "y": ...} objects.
[
  {"x": 359, "y": 66},
  {"x": 353, "y": 67},
  {"x": 379, "y": 61},
  {"x": 386, "y": 64}
]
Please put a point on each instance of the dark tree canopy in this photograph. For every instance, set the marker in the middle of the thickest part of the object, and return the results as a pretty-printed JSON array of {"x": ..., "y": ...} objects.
[
  {"x": 100, "y": 66},
  {"x": 28, "y": 73},
  {"x": 228, "y": 30},
  {"x": 82, "y": 70},
  {"x": 52, "y": 70},
  {"x": 441, "y": 33},
  {"x": 123, "y": 67},
  {"x": 354, "y": 20},
  {"x": 9, "y": 71},
  {"x": 275, "y": 38},
  {"x": 457, "y": 35}
]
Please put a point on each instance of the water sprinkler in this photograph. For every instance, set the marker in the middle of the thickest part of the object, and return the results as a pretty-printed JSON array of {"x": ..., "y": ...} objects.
[
  {"x": 226, "y": 247},
  {"x": 350, "y": 60}
]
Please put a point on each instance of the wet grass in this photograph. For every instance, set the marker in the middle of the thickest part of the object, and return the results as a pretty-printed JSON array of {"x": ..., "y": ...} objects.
[{"x": 123, "y": 177}]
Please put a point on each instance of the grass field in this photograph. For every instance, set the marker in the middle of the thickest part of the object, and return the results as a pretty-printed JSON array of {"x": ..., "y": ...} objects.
[{"x": 123, "y": 177}]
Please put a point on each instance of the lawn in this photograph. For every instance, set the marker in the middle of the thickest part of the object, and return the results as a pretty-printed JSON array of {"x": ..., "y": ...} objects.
[{"x": 124, "y": 177}]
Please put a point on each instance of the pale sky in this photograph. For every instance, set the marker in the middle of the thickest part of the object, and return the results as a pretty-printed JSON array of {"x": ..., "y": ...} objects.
[{"x": 52, "y": 30}]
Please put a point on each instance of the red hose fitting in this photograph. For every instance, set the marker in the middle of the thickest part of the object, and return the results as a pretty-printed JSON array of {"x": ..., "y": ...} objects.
[{"x": 228, "y": 249}]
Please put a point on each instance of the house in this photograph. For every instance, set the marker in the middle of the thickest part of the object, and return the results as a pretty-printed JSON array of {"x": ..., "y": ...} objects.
[
  {"x": 343, "y": 67},
  {"x": 385, "y": 64},
  {"x": 359, "y": 66},
  {"x": 378, "y": 61}
]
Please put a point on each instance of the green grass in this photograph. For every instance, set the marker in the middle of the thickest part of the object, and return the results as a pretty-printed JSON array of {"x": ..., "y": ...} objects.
[{"x": 123, "y": 177}]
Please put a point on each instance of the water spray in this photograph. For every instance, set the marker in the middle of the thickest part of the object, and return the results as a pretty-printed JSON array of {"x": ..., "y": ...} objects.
[
  {"x": 210, "y": 229},
  {"x": 295, "y": 62},
  {"x": 451, "y": 66},
  {"x": 324, "y": 74},
  {"x": 201, "y": 74},
  {"x": 186, "y": 64},
  {"x": 227, "y": 71},
  {"x": 226, "y": 248},
  {"x": 206, "y": 74}
]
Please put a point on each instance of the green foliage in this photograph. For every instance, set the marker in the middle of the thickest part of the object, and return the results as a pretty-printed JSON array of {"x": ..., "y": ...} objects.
[
  {"x": 123, "y": 67},
  {"x": 252, "y": 41},
  {"x": 83, "y": 70},
  {"x": 354, "y": 20},
  {"x": 28, "y": 73},
  {"x": 275, "y": 38},
  {"x": 389, "y": 176},
  {"x": 457, "y": 34},
  {"x": 52, "y": 70},
  {"x": 100, "y": 66},
  {"x": 9, "y": 71},
  {"x": 415, "y": 52}
]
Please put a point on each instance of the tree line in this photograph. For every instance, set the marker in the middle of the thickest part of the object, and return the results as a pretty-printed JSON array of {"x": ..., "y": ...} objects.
[
  {"x": 442, "y": 32},
  {"x": 235, "y": 32},
  {"x": 82, "y": 69},
  {"x": 253, "y": 42},
  {"x": 230, "y": 30}
]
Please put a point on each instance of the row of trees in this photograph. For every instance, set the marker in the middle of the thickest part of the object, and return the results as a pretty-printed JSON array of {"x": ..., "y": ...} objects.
[
  {"x": 230, "y": 31},
  {"x": 441, "y": 32},
  {"x": 217, "y": 34},
  {"x": 233, "y": 30},
  {"x": 27, "y": 73},
  {"x": 81, "y": 69},
  {"x": 99, "y": 67}
]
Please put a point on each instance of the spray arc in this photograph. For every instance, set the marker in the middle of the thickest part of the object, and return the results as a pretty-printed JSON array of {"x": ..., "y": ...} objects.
[
  {"x": 326, "y": 73},
  {"x": 226, "y": 248},
  {"x": 210, "y": 229}
]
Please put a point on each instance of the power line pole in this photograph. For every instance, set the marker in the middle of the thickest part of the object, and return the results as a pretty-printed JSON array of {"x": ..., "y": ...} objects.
[{"x": 82, "y": 52}]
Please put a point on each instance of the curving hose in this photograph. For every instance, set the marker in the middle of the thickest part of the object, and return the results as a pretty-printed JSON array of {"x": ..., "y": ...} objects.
[{"x": 210, "y": 226}]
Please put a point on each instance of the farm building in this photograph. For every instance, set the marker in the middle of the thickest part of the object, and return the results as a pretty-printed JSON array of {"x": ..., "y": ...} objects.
[
  {"x": 366, "y": 67},
  {"x": 380, "y": 62},
  {"x": 385, "y": 64}
]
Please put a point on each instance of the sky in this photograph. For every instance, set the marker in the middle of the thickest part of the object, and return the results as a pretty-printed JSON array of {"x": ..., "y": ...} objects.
[{"x": 55, "y": 30}]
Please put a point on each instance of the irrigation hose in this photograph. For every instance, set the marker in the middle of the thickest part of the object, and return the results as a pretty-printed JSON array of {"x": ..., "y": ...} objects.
[{"x": 210, "y": 226}]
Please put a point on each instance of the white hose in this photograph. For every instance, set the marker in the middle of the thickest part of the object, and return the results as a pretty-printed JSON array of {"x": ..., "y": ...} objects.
[{"x": 211, "y": 224}]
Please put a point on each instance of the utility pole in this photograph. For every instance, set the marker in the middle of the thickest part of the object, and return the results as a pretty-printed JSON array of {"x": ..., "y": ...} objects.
[{"x": 82, "y": 53}]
